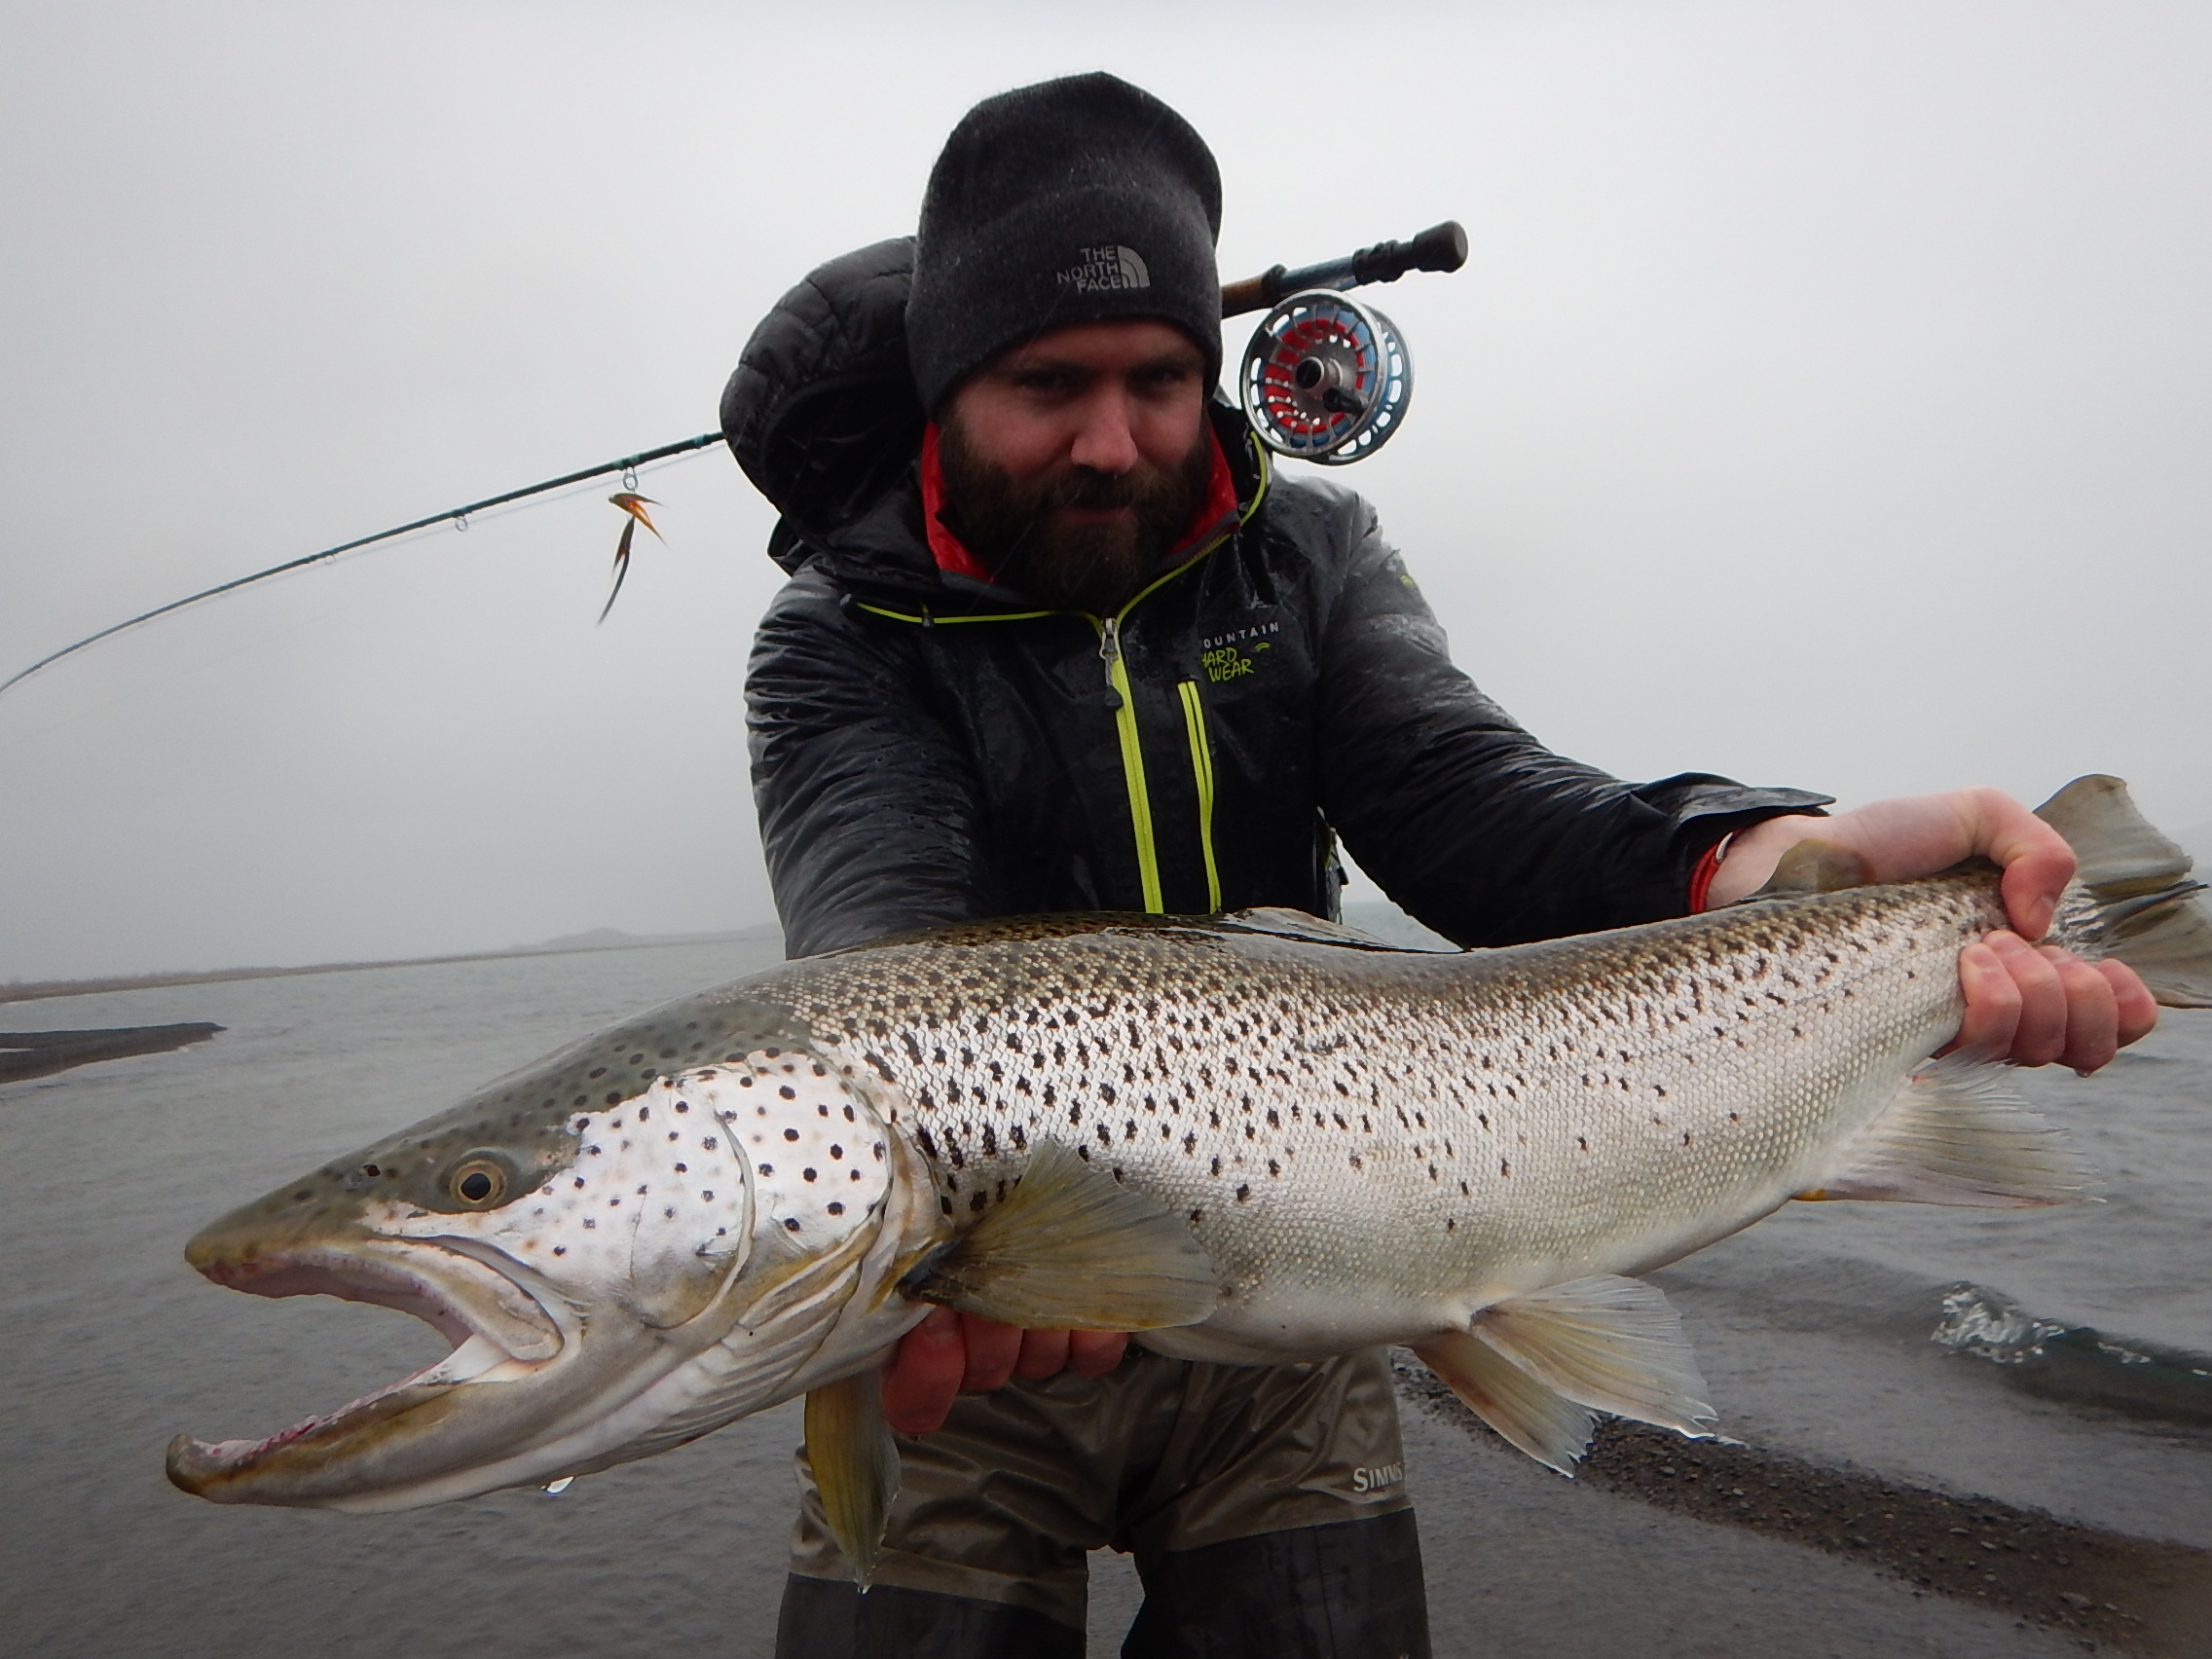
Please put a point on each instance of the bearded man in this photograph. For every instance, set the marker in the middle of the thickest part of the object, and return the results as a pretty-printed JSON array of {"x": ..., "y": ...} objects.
[{"x": 1055, "y": 639}]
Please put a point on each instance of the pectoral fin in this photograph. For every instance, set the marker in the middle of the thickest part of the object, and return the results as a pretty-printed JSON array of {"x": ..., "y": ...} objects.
[
  {"x": 1607, "y": 1341},
  {"x": 1957, "y": 1134},
  {"x": 1551, "y": 1428},
  {"x": 1072, "y": 1248},
  {"x": 856, "y": 1465}
]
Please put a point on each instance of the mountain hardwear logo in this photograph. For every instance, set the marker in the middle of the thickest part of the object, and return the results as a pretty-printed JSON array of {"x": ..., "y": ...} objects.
[{"x": 1101, "y": 269}]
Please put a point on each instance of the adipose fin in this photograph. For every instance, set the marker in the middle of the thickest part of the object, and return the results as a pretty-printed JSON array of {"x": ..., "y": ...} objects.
[{"x": 1815, "y": 866}]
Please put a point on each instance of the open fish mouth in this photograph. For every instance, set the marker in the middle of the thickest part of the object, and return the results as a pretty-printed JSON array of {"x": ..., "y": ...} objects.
[{"x": 500, "y": 1331}]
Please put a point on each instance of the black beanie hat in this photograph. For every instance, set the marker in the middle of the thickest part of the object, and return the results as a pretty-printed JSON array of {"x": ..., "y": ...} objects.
[{"x": 1072, "y": 200}]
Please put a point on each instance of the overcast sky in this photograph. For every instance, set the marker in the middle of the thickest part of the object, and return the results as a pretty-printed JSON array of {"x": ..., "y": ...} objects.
[{"x": 1826, "y": 401}]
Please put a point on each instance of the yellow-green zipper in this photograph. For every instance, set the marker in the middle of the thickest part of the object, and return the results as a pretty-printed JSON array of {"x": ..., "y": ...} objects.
[
  {"x": 1201, "y": 772},
  {"x": 1132, "y": 760},
  {"x": 1125, "y": 712}
]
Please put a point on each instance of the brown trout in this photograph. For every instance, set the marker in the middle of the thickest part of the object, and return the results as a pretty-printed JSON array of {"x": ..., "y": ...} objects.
[{"x": 1254, "y": 1139}]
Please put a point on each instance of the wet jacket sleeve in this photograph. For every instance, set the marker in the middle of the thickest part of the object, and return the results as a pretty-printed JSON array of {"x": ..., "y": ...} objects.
[
  {"x": 1460, "y": 815},
  {"x": 867, "y": 817}
]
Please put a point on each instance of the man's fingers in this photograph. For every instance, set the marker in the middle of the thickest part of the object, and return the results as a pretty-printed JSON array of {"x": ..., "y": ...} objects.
[
  {"x": 925, "y": 1374},
  {"x": 2093, "y": 1013},
  {"x": 2134, "y": 1008},
  {"x": 992, "y": 1351},
  {"x": 1044, "y": 1353},
  {"x": 2038, "y": 863},
  {"x": 1993, "y": 1004},
  {"x": 1094, "y": 1353},
  {"x": 2040, "y": 1035}
]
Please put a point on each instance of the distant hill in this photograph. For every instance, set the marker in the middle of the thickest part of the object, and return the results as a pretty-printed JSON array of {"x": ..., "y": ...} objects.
[
  {"x": 598, "y": 938},
  {"x": 614, "y": 938}
]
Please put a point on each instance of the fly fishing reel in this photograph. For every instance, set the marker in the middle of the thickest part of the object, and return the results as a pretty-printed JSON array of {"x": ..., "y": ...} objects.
[{"x": 1327, "y": 378}]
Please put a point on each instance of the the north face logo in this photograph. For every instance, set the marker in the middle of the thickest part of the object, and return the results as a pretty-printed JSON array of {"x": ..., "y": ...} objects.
[{"x": 1104, "y": 268}]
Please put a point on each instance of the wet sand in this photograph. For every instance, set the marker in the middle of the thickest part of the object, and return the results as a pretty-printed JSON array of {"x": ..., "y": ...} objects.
[
  {"x": 42, "y": 1054},
  {"x": 2096, "y": 1587}
]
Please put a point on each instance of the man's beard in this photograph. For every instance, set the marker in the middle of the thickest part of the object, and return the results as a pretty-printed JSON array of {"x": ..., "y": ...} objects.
[{"x": 1092, "y": 568}]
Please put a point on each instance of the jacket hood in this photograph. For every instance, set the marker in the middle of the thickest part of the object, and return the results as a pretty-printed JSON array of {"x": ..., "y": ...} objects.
[
  {"x": 822, "y": 412},
  {"x": 823, "y": 416}
]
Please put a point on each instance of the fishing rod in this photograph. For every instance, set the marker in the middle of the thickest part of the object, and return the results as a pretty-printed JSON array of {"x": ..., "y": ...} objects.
[
  {"x": 458, "y": 517},
  {"x": 1325, "y": 378}
]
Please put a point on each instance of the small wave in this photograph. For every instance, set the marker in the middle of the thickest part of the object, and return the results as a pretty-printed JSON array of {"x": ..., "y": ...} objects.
[{"x": 2076, "y": 1363}]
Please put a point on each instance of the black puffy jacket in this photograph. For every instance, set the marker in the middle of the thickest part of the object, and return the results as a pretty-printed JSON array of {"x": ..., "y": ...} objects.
[{"x": 927, "y": 748}]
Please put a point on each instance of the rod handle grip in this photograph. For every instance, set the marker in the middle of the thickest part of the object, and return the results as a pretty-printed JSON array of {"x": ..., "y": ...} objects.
[{"x": 1252, "y": 293}]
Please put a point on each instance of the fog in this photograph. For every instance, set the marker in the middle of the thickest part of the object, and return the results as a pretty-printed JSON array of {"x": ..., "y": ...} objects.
[{"x": 1826, "y": 401}]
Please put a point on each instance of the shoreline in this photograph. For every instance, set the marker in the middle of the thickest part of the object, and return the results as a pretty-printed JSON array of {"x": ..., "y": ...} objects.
[
  {"x": 25, "y": 1054},
  {"x": 2104, "y": 1588},
  {"x": 34, "y": 990}
]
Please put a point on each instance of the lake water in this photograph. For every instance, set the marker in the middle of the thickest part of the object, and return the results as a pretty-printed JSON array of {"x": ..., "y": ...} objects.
[{"x": 1813, "y": 1327}]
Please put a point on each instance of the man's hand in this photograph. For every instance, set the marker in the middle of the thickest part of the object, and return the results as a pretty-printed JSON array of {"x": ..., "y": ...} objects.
[
  {"x": 2026, "y": 1003},
  {"x": 952, "y": 1353}
]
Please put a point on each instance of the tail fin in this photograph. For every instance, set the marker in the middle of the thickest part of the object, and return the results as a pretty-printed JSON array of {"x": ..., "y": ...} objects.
[{"x": 2139, "y": 905}]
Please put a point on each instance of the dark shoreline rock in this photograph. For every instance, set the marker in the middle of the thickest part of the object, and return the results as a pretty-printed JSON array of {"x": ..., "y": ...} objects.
[
  {"x": 42, "y": 1054},
  {"x": 2106, "y": 1588}
]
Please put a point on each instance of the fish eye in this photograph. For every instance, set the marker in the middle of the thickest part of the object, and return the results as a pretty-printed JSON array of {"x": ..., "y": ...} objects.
[{"x": 479, "y": 1181}]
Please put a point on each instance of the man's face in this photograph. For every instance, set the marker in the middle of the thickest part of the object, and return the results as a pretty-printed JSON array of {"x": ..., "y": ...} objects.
[{"x": 1073, "y": 462}]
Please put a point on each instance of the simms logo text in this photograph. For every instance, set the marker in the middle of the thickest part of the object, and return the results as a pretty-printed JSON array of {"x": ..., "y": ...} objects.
[{"x": 1375, "y": 1478}]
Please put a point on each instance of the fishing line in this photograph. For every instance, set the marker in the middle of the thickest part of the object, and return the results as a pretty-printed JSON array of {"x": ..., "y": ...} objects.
[
  {"x": 406, "y": 536},
  {"x": 457, "y": 517}
]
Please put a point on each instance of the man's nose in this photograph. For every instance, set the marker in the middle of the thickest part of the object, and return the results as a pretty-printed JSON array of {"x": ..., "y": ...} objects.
[{"x": 1105, "y": 438}]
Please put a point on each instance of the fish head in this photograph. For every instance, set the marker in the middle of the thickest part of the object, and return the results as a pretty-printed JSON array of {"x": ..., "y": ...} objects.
[{"x": 689, "y": 1219}]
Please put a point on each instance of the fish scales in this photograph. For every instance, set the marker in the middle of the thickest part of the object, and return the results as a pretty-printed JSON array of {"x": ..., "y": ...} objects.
[{"x": 1490, "y": 1111}]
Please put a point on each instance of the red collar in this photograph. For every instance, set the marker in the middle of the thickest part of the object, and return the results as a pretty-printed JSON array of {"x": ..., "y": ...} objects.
[{"x": 1217, "y": 513}]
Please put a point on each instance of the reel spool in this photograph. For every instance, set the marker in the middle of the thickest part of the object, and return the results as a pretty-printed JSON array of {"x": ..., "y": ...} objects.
[{"x": 1326, "y": 378}]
